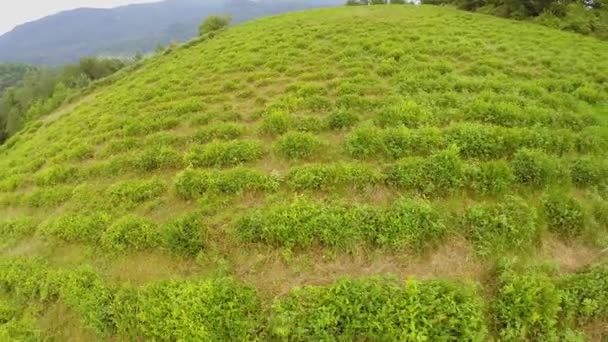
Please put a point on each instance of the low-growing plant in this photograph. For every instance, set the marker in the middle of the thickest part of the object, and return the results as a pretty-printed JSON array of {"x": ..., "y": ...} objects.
[
  {"x": 190, "y": 183},
  {"x": 407, "y": 113},
  {"x": 511, "y": 225},
  {"x": 402, "y": 142},
  {"x": 379, "y": 309},
  {"x": 17, "y": 228},
  {"x": 129, "y": 233},
  {"x": 536, "y": 169},
  {"x": 276, "y": 122},
  {"x": 76, "y": 227},
  {"x": 47, "y": 197},
  {"x": 221, "y": 131},
  {"x": 564, "y": 214},
  {"x": 341, "y": 119},
  {"x": 157, "y": 158},
  {"x": 587, "y": 171},
  {"x": 527, "y": 307},
  {"x": 364, "y": 142},
  {"x": 297, "y": 145},
  {"x": 184, "y": 235},
  {"x": 221, "y": 154},
  {"x": 585, "y": 295},
  {"x": 478, "y": 141},
  {"x": 136, "y": 191},
  {"x": 333, "y": 176},
  {"x": 490, "y": 178},
  {"x": 56, "y": 175}
]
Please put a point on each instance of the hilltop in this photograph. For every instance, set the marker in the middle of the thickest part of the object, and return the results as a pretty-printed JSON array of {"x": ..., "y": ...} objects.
[
  {"x": 123, "y": 31},
  {"x": 358, "y": 173}
]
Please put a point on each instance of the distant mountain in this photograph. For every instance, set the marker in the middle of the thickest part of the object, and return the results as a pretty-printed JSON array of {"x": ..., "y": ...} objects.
[{"x": 67, "y": 36}]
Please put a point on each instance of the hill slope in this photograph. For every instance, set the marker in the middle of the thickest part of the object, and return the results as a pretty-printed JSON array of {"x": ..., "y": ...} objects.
[
  {"x": 67, "y": 36},
  {"x": 325, "y": 149}
]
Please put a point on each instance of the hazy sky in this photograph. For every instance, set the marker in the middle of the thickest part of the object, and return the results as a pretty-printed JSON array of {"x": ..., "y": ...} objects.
[{"x": 15, "y": 12}]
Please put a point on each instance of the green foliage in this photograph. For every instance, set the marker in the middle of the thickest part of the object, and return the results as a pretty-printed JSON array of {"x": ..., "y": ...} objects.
[
  {"x": 341, "y": 119},
  {"x": 491, "y": 178},
  {"x": 16, "y": 228},
  {"x": 364, "y": 142},
  {"x": 214, "y": 23},
  {"x": 536, "y": 169},
  {"x": 564, "y": 214},
  {"x": 190, "y": 183},
  {"x": 129, "y": 233},
  {"x": 585, "y": 294},
  {"x": 379, "y": 309},
  {"x": 157, "y": 158},
  {"x": 211, "y": 310},
  {"x": 220, "y": 154},
  {"x": 333, "y": 176},
  {"x": 509, "y": 226},
  {"x": 184, "y": 235},
  {"x": 222, "y": 131},
  {"x": 587, "y": 171},
  {"x": 276, "y": 122},
  {"x": 298, "y": 145},
  {"x": 136, "y": 191},
  {"x": 56, "y": 175},
  {"x": 76, "y": 227},
  {"x": 527, "y": 307},
  {"x": 406, "y": 113}
]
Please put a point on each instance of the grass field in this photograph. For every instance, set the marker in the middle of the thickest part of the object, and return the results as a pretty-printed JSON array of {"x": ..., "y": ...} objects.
[{"x": 362, "y": 173}]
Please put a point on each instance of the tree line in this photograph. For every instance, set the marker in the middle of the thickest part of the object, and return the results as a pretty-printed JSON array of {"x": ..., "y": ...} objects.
[{"x": 28, "y": 92}]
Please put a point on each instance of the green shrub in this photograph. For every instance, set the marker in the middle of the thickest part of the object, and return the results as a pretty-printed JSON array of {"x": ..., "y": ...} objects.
[
  {"x": 223, "y": 131},
  {"x": 407, "y": 223},
  {"x": 491, "y": 178},
  {"x": 527, "y": 307},
  {"x": 501, "y": 228},
  {"x": 20, "y": 330},
  {"x": 87, "y": 294},
  {"x": 588, "y": 171},
  {"x": 211, "y": 310},
  {"x": 27, "y": 280},
  {"x": 16, "y": 228},
  {"x": 276, "y": 122},
  {"x": 406, "y": 113},
  {"x": 297, "y": 145},
  {"x": 136, "y": 191},
  {"x": 129, "y": 232},
  {"x": 402, "y": 142},
  {"x": 184, "y": 235},
  {"x": 478, "y": 141},
  {"x": 190, "y": 183},
  {"x": 536, "y": 169},
  {"x": 213, "y": 23},
  {"x": 56, "y": 175},
  {"x": 379, "y": 309},
  {"x": 308, "y": 124},
  {"x": 330, "y": 177},
  {"x": 564, "y": 214},
  {"x": 341, "y": 119},
  {"x": 157, "y": 158},
  {"x": 585, "y": 294},
  {"x": 364, "y": 142},
  {"x": 47, "y": 197},
  {"x": 219, "y": 154},
  {"x": 76, "y": 227}
]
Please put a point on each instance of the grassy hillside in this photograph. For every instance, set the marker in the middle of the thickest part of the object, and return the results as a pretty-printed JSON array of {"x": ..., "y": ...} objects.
[{"x": 362, "y": 173}]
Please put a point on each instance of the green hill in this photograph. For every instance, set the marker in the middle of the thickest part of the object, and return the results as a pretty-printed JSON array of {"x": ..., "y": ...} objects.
[{"x": 361, "y": 173}]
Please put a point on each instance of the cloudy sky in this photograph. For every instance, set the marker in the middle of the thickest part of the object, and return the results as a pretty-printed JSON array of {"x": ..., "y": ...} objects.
[{"x": 15, "y": 12}]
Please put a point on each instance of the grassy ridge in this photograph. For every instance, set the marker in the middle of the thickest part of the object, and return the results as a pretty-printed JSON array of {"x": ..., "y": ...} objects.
[{"x": 384, "y": 129}]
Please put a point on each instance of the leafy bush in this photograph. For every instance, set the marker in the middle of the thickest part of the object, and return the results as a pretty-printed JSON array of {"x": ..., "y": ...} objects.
[
  {"x": 190, "y": 183},
  {"x": 297, "y": 145},
  {"x": 491, "y": 178},
  {"x": 588, "y": 171},
  {"x": 211, "y": 310},
  {"x": 223, "y": 131},
  {"x": 276, "y": 122},
  {"x": 536, "y": 169},
  {"x": 157, "y": 158},
  {"x": 329, "y": 177},
  {"x": 364, "y": 142},
  {"x": 220, "y": 154},
  {"x": 564, "y": 214},
  {"x": 527, "y": 307},
  {"x": 478, "y": 141},
  {"x": 16, "y": 228},
  {"x": 184, "y": 235},
  {"x": 402, "y": 142},
  {"x": 129, "y": 233},
  {"x": 499, "y": 228},
  {"x": 585, "y": 294},
  {"x": 341, "y": 119},
  {"x": 135, "y": 191},
  {"x": 213, "y": 24},
  {"x": 56, "y": 175},
  {"x": 76, "y": 227},
  {"x": 379, "y": 309},
  {"x": 406, "y": 113}
]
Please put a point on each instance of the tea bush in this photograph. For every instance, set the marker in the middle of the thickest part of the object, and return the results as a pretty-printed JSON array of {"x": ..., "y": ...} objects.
[
  {"x": 184, "y": 235},
  {"x": 136, "y": 191},
  {"x": 17, "y": 228},
  {"x": 298, "y": 145},
  {"x": 511, "y": 225},
  {"x": 478, "y": 141},
  {"x": 210, "y": 310},
  {"x": 587, "y": 171},
  {"x": 490, "y": 178},
  {"x": 402, "y": 142},
  {"x": 363, "y": 142},
  {"x": 564, "y": 214},
  {"x": 76, "y": 227},
  {"x": 406, "y": 113},
  {"x": 341, "y": 119},
  {"x": 223, "y": 131},
  {"x": 536, "y": 169},
  {"x": 330, "y": 177},
  {"x": 190, "y": 183},
  {"x": 379, "y": 309},
  {"x": 129, "y": 233},
  {"x": 527, "y": 307},
  {"x": 157, "y": 158},
  {"x": 276, "y": 122},
  {"x": 56, "y": 175},
  {"x": 585, "y": 294},
  {"x": 221, "y": 154}
]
